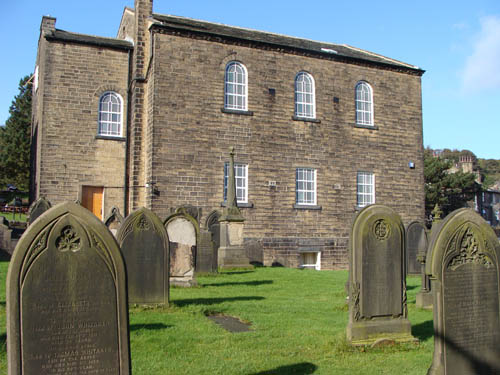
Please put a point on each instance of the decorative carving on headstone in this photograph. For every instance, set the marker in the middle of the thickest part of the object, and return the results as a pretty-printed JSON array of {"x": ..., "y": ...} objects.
[
  {"x": 377, "y": 301},
  {"x": 37, "y": 208},
  {"x": 463, "y": 263},
  {"x": 66, "y": 298},
  {"x": 144, "y": 245}
]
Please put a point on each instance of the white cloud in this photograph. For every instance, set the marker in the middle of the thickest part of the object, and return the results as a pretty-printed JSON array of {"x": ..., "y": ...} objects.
[{"x": 482, "y": 67}]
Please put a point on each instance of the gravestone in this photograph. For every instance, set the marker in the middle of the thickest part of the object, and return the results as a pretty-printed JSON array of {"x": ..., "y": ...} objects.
[
  {"x": 416, "y": 247},
  {"x": 66, "y": 298},
  {"x": 463, "y": 263},
  {"x": 37, "y": 208},
  {"x": 183, "y": 233},
  {"x": 144, "y": 245},
  {"x": 377, "y": 286},
  {"x": 206, "y": 255},
  {"x": 416, "y": 240},
  {"x": 114, "y": 220}
]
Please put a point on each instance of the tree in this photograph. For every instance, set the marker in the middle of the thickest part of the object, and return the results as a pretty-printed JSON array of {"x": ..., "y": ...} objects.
[
  {"x": 15, "y": 139},
  {"x": 449, "y": 190}
]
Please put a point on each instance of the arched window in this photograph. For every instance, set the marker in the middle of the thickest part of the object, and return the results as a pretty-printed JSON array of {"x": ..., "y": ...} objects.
[
  {"x": 110, "y": 114},
  {"x": 235, "y": 89},
  {"x": 304, "y": 96},
  {"x": 364, "y": 104}
]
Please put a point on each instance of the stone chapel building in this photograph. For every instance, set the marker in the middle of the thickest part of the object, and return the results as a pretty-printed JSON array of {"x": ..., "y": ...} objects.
[{"x": 147, "y": 119}]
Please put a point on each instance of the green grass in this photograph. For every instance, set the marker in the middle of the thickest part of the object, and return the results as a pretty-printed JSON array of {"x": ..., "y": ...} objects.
[
  {"x": 298, "y": 322},
  {"x": 14, "y": 217}
]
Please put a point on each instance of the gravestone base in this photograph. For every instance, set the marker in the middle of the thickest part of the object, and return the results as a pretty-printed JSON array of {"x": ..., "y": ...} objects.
[
  {"x": 424, "y": 300},
  {"x": 184, "y": 282},
  {"x": 233, "y": 257},
  {"x": 367, "y": 332}
]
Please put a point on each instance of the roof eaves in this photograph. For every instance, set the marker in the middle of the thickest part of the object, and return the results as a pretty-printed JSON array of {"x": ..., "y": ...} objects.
[{"x": 65, "y": 36}]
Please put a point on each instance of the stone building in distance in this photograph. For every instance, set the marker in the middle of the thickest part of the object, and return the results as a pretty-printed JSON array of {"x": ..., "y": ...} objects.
[{"x": 147, "y": 119}]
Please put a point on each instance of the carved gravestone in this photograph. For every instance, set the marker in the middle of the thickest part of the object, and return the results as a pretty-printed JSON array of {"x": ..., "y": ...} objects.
[
  {"x": 37, "y": 208},
  {"x": 144, "y": 245},
  {"x": 183, "y": 232},
  {"x": 377, "y": 286},
  {"x": 114, "y": 220},
  {"x": 416, "y": 240},
  {"x": 66, "y": 298},
  {"x": 463, "y": 263}
]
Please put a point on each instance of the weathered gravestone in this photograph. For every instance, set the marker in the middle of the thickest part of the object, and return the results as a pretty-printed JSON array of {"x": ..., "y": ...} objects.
[
  {"x": 206, "y": 255},
  {"x": 416, "y": 240},
  {"x": 377, "y": 286},
  {"x": 66, "y": 298},
  {"x": 37, "y": 208},
  {"x": 463, "y": 262},
  {"x": 144, "y": 245},
  {"x": 114, "y": 220},
  {"x": 183, "y": 232}
]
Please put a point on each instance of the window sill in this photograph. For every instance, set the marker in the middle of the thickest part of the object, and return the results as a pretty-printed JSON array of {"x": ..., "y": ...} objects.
[
  {"x": 306, "y": 119},
  {"x": 240, "y": 205},
  {"x": 307, "y": 207},
  {"x": 373, "y": 127},
  {"x": 111, "y": 138},
  {"x": 237, "y": 112}
]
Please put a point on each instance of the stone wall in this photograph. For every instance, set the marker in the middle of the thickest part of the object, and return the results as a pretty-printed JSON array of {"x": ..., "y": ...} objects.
[
  {"x": 69, "y": 154},
  {"x": 193, "y": 135}
]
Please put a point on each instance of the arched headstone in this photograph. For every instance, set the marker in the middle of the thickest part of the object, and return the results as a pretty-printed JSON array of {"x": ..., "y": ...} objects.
[
  {"x": 114, "y": 220},
  {"x": 37, "y": 208},
  {"x": 144, "y": 245},
  {"x": 377, "y": 285},
  {"x": 416, "y": 242},
  {"x": 183, "y": 234},
  {"x": 66, "y": 298},
  {"x": 463, "y": 263}
]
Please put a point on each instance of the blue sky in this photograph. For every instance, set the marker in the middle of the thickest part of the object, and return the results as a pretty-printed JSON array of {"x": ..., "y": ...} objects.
[{"x": 456, "y": 42}]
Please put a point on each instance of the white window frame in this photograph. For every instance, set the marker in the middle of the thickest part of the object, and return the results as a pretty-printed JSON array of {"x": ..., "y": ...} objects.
[
  {"x": 305, "y": 96},
  {"x": 241, "y": 177},
  {"x": 304, "y": 186},
  {"x": 365, "y": 190},
  {"x": 316, "y": 265},
  {"x": 364, "y": 104},
  {"x": 236, "y": 87},
  {"x": 104, "y": 125}
]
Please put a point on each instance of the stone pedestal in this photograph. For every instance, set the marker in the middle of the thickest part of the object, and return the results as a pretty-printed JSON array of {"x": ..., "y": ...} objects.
[
  {"x": 231, "y": 251},
  {"x": 424, "y": 300}
]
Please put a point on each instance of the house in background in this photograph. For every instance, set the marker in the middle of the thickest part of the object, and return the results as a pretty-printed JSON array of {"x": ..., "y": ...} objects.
[{"x": 147, "y": 118}]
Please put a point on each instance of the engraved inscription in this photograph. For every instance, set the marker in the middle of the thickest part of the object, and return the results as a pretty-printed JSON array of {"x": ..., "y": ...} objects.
[
  {"x": 68, "y": 325},
  {"x": 471, "y": 315},
  {"x": 469, "y": 252}
]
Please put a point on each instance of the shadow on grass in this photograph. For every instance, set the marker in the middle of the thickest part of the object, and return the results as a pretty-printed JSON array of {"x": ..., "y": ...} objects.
[
  {"x": 149, "y": 326},
  {"x": 423, "y": 331},
  {"x": 236, "y": 272},
  {"x": 410, "y": 287},
  {"x": 3, "y": 343},
  {"x": 2, "y": 303},
  {"x": 249, "y": 283},
  {"x": 213, "y": 301},
  {"x": 304, "y": 368}
]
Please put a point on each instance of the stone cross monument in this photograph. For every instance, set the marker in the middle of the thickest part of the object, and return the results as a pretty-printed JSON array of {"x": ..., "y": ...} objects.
[{"x": 231, "y": 251}]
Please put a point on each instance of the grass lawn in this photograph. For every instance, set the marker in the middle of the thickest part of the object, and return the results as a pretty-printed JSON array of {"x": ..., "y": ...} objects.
[
  {"x": 14, "y": 217},
  {"x": 298, "y": 322}
]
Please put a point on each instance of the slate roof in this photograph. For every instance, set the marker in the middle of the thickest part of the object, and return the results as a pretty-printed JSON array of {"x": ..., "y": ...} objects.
[
  {"x": 305, "y": 45},
  {"x": 66, "y": 36}
]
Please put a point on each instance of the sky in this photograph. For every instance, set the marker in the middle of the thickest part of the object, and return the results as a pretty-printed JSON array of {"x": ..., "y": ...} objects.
[{"x": 457, "y": 43}]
